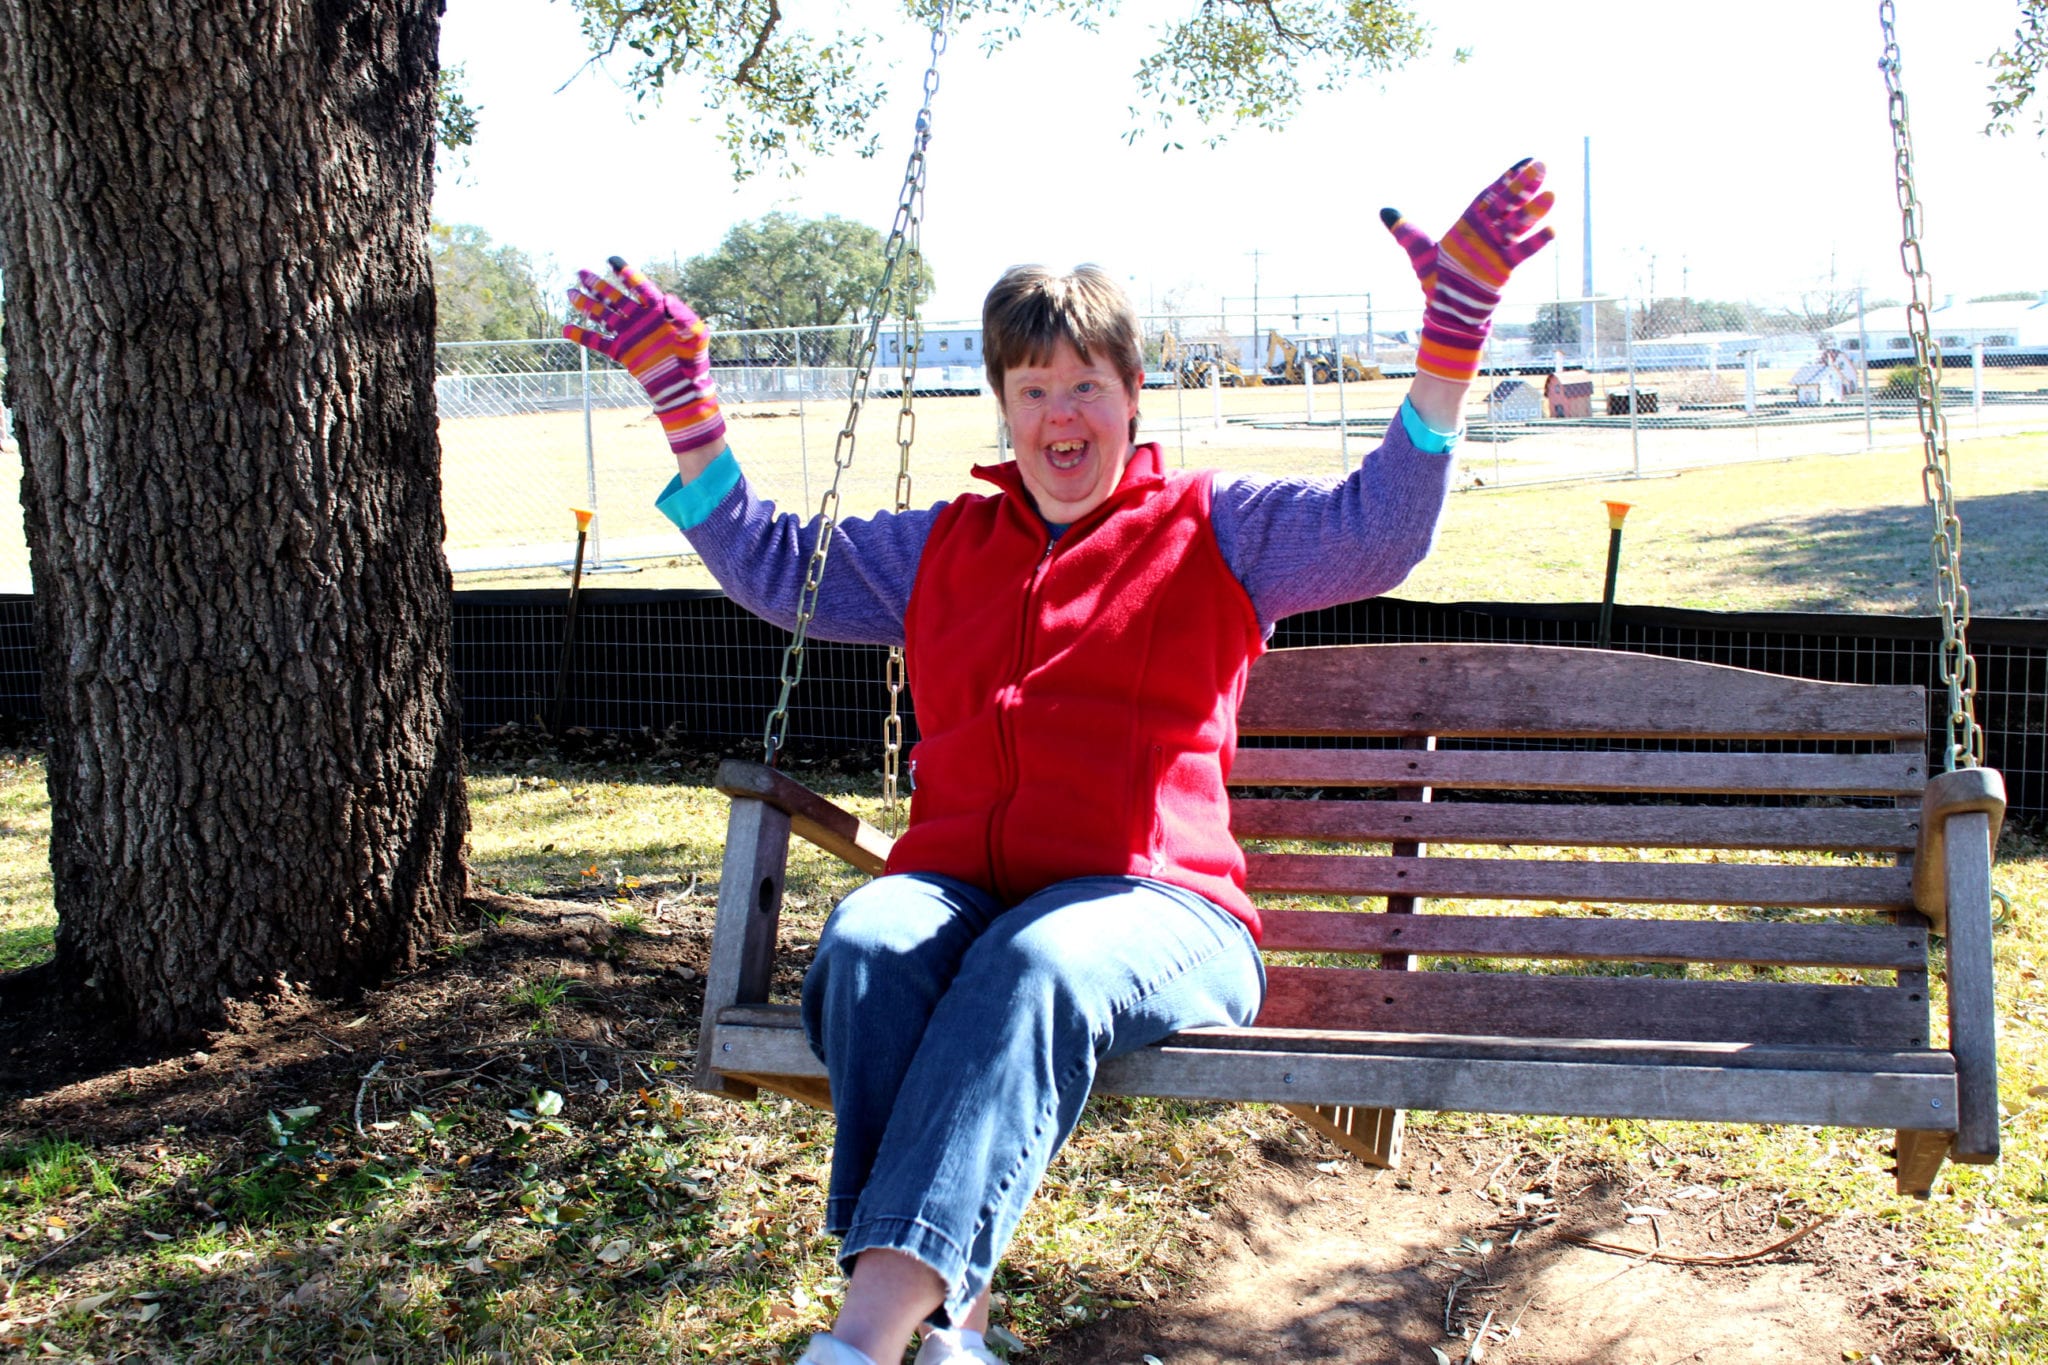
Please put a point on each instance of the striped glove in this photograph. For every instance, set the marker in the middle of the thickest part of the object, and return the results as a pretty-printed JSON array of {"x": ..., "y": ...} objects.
[
  {"x": 1463, "y": 274},
  {"x": 661, "y": 342}
]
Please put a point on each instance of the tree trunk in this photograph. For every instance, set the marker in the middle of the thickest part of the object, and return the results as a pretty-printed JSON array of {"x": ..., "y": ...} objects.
[{"x": 219, "y": 327}]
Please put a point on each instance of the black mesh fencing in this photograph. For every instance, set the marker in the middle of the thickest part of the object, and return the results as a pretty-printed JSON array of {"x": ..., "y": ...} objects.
[
  {"x": 21, "y": 676},
  {"x": 682, "y": 663},
  {"x": 692, "y": 666}
]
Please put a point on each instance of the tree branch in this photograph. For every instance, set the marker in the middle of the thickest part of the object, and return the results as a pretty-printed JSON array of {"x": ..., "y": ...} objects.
[
  {"x": 1280, "y": 29},
  {"x": 744, "y": 72}
]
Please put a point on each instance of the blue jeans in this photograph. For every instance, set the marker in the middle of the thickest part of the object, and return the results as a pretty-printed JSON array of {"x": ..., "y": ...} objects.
[{"x": 962, "y": 1038}]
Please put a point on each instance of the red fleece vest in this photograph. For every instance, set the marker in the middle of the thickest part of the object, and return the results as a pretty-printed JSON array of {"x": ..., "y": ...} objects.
[{"x": 1077, "y": 699}]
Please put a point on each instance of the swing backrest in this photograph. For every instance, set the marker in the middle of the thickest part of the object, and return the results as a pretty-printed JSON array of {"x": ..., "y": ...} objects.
[{"x": 1666, "y": 850}]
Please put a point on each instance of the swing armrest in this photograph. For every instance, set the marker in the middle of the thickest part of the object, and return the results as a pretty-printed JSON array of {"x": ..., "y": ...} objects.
[
  {"x": 1959, "y": 819},
  {"x": 1948, "y": 795},
  {"x": 767, "y": 808},
  {"x": 833, "y": 828}
]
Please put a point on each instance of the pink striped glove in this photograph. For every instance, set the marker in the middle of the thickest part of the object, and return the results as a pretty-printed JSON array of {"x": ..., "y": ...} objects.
[
  {"x": 661, "y": 342},
  {"x": 1463, "y": 274}
]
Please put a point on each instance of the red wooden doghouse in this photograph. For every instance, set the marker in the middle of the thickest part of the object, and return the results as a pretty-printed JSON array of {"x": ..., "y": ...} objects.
[{"x": 1568, "y": 393}]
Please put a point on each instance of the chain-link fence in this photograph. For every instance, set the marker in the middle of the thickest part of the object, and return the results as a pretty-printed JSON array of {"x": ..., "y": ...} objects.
[
  {"x": 1572, "y": 389},
  {"x": 530, "y": 429},
  {"x": 1600, "y": 387}
]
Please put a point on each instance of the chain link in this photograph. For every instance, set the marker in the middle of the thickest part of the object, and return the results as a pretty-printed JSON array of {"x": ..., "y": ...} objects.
[
  {"x": 1958, "y": 669},
  {"x": 909, "y": 346},
  {"x": 903, "y": 237}
]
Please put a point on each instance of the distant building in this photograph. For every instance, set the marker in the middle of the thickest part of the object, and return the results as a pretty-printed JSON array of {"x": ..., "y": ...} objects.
[
  {"x": 1827, "y": 380},
  {"x": 2011, "y": 329},
  {"x": 1568, "y": 393},
  {"x": 1695, "y": 350},
  {"x": 938, "y": 346},
  {"x": 1513, "y": 401},
  {"x": 948, "y": 360}
]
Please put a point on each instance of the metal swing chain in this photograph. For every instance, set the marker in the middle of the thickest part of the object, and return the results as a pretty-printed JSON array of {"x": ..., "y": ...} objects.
[
  {"x": 1958, "y": 669},
  {"x": 903, "y": 234},
  {"x": 909, "y": 346}
]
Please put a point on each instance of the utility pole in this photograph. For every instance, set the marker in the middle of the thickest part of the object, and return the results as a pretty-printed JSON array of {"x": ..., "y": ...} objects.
[
  {"x": 1255, "y": 254},
  {"x": 1586, "y": 308}
]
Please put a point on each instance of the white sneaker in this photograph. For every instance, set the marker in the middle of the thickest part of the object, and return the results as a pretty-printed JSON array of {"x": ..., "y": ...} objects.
[
  {"x": 955, "y": 1346},
  {"x": 826, "y": 1349}
]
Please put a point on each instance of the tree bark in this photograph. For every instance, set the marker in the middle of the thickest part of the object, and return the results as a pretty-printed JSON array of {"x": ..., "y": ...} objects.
[{"x": 219, "y": 327}]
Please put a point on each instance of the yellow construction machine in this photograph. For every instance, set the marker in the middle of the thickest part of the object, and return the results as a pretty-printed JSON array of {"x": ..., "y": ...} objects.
[
  {"x": 1324, "y": 365},
  {"x": 1319, "y": 357},
  {"x": 1200, "y": 358},
  {"x": 1283, "y": 360}
]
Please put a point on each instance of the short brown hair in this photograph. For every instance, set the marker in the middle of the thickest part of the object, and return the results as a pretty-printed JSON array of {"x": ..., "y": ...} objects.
[{"x": 1031, "y": 310}]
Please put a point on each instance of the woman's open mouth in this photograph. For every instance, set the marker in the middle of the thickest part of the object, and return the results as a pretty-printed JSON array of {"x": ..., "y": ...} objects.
[{"x": 1065, "y": 455}]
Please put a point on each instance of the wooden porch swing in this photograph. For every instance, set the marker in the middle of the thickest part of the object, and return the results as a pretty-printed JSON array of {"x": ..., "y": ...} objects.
[{"x": 1801, "y": 996}]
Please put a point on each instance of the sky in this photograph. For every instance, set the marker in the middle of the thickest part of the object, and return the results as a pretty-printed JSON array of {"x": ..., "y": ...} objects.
[{"x": 1738, "y": 150}]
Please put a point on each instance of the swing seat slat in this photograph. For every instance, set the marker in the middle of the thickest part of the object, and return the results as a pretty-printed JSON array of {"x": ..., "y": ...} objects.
[
  {"x": 1891, "y": 831},
  {"x": 1756, "y": 952},
  {"x": 1710, "y": 774},
  {"x": 1559, "y": 692},
  {"x": 1644, "y": 1008},
  {"x": 1860, "y": 888},
  {"x": 1740, "y": 1084},
  {"x": 1863, "y": 947}
]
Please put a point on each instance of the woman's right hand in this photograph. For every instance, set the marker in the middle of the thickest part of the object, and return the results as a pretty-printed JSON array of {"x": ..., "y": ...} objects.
[{"x": 661, "y": 343}]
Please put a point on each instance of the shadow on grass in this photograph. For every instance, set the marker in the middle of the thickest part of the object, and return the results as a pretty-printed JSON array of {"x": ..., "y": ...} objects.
[
  {"x": 1881, "y": 556},
  {"x": 275, "y": 1192}
]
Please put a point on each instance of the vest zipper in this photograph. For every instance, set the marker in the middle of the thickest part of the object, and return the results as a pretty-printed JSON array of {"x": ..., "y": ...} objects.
[
  {"x": 1155, "y": 795},
  {"x": 1006, "y": 739}
]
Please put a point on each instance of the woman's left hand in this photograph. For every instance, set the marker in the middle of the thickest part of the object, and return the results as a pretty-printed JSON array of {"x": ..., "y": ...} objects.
[{"x": 1463, "y": 274}]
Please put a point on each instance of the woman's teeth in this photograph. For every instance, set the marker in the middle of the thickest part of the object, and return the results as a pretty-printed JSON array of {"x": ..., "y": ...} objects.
[{"x": 1065, "y": 454}]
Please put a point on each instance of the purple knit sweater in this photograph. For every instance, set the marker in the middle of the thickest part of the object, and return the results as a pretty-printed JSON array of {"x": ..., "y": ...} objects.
[{"x": 1296, "y": 544}]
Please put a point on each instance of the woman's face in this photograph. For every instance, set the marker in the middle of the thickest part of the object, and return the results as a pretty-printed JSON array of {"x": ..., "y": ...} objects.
[{"x": 1070, "y": 425}]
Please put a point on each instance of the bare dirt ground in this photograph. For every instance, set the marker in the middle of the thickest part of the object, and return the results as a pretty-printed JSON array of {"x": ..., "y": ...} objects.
[{"x": 1328, "y": 1261}]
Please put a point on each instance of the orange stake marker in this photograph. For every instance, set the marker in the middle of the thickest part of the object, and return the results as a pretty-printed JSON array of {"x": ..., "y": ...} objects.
[
  {"x": 584, "y": 516},
  {"x": 1616, "y": 512}
]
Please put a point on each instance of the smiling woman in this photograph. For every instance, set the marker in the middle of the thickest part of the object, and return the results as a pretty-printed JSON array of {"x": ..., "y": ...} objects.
[
  {"x": 1077, "y": 643},
  {"x": 1065, "y": 360}
]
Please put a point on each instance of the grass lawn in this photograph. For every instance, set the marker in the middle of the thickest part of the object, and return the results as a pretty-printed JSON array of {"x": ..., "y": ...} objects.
[
  {"x": 1825, "y": 533},
  {"x": 496, "y": 1158},
  {"x": 1833, "y": 533}
]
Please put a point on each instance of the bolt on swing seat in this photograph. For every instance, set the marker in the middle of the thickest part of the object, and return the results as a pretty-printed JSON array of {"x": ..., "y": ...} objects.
[{"x": 1765, "y": 988}]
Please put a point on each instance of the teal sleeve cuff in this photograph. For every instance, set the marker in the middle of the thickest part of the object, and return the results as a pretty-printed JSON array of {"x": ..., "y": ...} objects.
[
  {"x": 1425, "y": 437},
  {"x": 688, "y": 504}
]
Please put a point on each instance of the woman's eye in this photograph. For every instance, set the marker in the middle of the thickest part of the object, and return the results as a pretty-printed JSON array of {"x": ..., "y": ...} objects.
[{"x": 1086, "y": 386}]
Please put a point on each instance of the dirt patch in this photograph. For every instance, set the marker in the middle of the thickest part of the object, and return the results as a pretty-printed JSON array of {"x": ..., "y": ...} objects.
[
  {"x": 1326, "y": 1260},
  {"x": 637, "y": 993}
]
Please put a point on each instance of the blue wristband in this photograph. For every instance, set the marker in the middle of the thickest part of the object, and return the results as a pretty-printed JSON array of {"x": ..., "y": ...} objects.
[
  {"x": 689, "y": 504},
  {"x": 1425, "y": 437}
]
